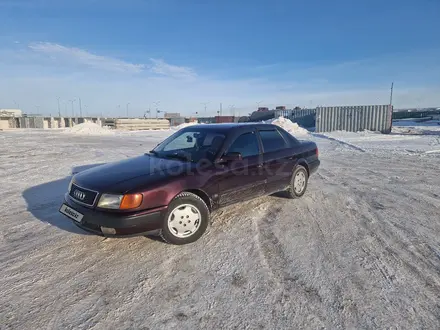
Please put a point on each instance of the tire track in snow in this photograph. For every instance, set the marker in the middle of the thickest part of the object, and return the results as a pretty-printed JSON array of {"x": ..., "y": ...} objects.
[{"x": 292, "y": 297}]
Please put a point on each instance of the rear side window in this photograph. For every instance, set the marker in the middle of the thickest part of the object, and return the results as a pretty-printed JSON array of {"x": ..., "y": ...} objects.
[
  {"x": 272, "y": 140},
  {"x": 288, "y": 137},
  {"x": 246, "y": 144}
]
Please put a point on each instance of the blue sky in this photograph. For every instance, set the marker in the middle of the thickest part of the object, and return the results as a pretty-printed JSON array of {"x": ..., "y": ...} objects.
[{"x": 182, "y": 53}]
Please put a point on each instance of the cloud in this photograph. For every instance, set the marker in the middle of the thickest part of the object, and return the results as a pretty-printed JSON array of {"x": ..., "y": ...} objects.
[
  {"x": 162, "y": 68},
  {"x": 38, "y": 73},
  {"x": 63, "y": 53},
  {"x": 73, "y": 55}
]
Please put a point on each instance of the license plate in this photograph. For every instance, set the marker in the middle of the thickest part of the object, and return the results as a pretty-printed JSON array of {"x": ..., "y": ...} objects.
[{"x": 71, "y": 213}]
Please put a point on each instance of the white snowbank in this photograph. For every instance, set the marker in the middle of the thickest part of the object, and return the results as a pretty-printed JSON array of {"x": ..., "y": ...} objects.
[
  {"x": 184, "y": 125},
  {"x": 288, "y": 125},
  {"x": 89, "y": 129}
]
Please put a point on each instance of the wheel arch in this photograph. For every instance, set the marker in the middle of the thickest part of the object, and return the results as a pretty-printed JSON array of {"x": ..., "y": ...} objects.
[
  {"x": 303, "y": 163},
  {"x": 200, "y": 193}
]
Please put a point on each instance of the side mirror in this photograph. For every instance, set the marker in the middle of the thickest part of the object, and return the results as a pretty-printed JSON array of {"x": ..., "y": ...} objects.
[{"x": 230, "y": 157}]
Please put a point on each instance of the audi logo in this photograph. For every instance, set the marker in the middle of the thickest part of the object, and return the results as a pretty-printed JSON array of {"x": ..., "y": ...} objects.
[{"x": 79, "y": 195}]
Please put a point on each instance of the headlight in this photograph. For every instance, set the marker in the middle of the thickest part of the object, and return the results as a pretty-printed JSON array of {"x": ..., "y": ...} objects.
[
  {"x": 122, "y": 202},
  {"x": 110, "y": 201}
]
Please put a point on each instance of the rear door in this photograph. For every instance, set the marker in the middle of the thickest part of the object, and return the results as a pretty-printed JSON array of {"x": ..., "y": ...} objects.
[
  {"x": 278, "y": 159},
  {"x": 242, "y": 180}
]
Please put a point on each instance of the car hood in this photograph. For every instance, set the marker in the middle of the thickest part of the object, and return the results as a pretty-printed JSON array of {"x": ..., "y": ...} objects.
[{"x": 103, "y": 177}]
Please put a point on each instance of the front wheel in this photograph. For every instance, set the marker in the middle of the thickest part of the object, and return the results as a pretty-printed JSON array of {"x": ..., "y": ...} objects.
[
  {"x": 186, "y": 219},
  {"x": 298, "y": 183}
]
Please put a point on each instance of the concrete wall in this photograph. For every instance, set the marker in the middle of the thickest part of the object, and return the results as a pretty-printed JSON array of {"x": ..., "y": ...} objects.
[
  {"x": 4, "y": 123},
  {"x": 137, "y": 124}
]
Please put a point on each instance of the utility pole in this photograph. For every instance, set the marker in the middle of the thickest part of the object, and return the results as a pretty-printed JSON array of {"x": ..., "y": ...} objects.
[
  {"x": 127, "y": 108},
  {"x": 391, "y": 95},
  {"x": 221, "y": 109},
  {"x": 205, "y": 103},
  {"x": 59, "y": 111}
]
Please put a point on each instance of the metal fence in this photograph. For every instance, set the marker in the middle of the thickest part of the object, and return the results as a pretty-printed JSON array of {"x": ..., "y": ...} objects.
[
  {"x": 303, "y": 117},
  {"x": 32, "y": 122},
  {"x": 354, "y": 118}
]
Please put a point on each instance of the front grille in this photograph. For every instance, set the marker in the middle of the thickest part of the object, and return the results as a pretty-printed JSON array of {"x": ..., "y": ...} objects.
[{"x": 82, "y": 195}]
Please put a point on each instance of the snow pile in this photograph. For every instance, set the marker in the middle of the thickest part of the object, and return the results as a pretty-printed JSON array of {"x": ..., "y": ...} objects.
[
  {"x": 288, "y": 125},
  {"x": 88, "y": 128},
  {"x": 184, "y": 125}
]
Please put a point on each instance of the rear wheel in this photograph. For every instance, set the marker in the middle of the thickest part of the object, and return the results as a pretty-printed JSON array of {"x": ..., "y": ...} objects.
[
  {"x": 298, "y": 183},
  {"x": 186, "y": 219}
]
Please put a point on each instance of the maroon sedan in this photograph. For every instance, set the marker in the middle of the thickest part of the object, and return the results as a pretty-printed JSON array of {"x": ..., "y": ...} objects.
[{"x": 173, "y": 189}]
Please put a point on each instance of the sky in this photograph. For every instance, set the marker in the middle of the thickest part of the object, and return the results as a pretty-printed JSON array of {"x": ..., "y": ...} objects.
[{"x": 124, "y": 57}]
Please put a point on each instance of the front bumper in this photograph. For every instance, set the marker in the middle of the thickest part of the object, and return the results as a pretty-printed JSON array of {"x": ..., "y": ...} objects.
[{"x": 123, "y": 224}]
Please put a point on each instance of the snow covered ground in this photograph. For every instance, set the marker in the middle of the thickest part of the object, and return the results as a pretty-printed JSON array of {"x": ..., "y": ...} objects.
[{"x": 360, "y": 250}]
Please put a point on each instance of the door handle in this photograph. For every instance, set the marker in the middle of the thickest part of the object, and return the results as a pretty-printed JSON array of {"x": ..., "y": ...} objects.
[{"x": 260, "y": 165}]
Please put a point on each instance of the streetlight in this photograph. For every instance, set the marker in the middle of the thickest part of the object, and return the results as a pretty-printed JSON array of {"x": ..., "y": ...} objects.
[
  {"x": 127, "y": 108},
  {"x": 80, "y": 107},
  {"x": 231, "y": 108},
  {"x": 157, "y": 107},
  {"x": 59, "y": 111}
]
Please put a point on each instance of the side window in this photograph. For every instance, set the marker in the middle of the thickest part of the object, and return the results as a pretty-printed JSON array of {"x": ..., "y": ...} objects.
[
  {"x": 288, "y": 137},
  {"x": 246, "y": 144},
  {"x": 272, "y": 140}
]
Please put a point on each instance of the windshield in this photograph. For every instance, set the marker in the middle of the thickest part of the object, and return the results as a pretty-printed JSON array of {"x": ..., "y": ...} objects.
[{"x": 191, "y": 145}]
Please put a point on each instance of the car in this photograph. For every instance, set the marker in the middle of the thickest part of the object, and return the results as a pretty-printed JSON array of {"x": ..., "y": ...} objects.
[{"x": 172, "y": 189}]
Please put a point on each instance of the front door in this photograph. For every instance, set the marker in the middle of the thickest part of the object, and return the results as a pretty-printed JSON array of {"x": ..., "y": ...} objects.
[{"x": 242, "y": 180}]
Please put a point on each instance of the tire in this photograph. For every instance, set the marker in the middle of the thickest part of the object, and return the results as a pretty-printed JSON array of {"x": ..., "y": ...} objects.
[
  {"x": 189, "y": 212},
  {"x": 294, "y": 190}
]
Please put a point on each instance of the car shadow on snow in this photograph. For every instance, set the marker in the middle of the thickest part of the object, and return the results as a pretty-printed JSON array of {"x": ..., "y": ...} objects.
[{"x": 44, "y": 200}]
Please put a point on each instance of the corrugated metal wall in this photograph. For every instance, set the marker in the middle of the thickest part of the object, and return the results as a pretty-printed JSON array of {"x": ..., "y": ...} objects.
[
  {"x": 32, "y": 122},
  {"x": 176, "y": 121},
  {"x": 303, "y": 117},
  {"x": 354, "y": 118}
]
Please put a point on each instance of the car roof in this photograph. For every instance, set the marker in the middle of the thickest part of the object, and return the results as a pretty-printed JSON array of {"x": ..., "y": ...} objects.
[{"x": 224, "y": 127}]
